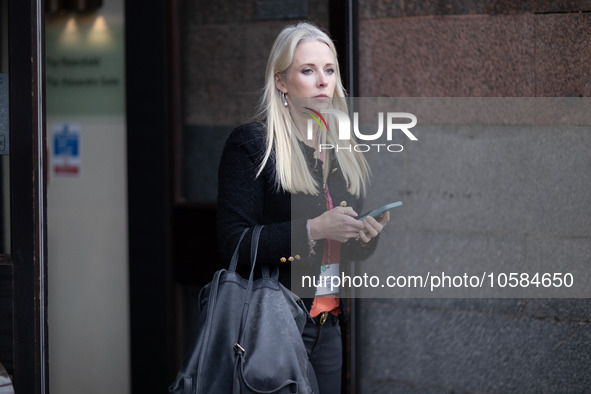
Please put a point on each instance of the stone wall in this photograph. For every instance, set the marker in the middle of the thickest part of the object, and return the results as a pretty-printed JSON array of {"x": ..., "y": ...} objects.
[
  {"x": 516, "y": 196},
  {"x": 482, "y": 48}
]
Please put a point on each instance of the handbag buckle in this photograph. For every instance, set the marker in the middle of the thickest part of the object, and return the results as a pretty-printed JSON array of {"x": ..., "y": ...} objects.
[
  {"x": 237, "y": 348},
  {"x": 323, "y": 317}
]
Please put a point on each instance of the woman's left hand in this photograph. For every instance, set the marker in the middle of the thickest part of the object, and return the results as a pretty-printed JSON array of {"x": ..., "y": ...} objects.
[{"x": 373, "y": 227}]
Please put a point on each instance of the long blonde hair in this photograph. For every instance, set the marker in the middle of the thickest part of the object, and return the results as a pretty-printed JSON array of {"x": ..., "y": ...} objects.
[{"x": 291, "y": 171}]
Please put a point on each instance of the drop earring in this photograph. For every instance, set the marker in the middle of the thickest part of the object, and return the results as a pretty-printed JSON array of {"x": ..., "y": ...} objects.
[{"x": 284, "y": 98}]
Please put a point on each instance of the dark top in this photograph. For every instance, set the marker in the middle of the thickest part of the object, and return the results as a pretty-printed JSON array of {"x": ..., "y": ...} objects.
[{"x": 245, "y": 201}]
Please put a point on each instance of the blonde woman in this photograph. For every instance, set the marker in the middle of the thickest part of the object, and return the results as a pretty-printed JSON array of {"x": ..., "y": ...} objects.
[{"x": 273, "y": 173}]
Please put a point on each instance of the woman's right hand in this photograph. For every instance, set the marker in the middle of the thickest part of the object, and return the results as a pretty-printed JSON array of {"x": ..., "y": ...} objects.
[{"x": 338, "y": 224}]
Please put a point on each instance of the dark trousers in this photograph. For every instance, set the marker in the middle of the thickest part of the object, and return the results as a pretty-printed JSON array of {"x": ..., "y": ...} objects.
[{"x": 325, "y": 354}]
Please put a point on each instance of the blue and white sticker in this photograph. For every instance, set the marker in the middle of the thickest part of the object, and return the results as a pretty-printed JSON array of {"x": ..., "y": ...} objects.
[{"x": 66, "y": 149}]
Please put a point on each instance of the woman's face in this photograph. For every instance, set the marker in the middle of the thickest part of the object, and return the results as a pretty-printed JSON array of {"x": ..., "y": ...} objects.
[{"x": 312, "y": 73}]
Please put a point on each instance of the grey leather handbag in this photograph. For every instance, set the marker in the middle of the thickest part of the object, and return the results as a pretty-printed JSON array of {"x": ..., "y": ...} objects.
[{"x": 249, "y": 335}]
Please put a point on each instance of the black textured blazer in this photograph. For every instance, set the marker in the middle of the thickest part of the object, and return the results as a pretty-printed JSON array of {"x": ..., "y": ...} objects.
[{"x": 245, "y": 200}]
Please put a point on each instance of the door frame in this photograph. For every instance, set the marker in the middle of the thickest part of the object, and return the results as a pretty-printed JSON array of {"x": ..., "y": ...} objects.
[{"x": 28, "y": 255}]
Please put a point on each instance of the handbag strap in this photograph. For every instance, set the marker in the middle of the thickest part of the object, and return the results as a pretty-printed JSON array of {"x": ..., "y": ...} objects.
[
  {"x": 234, "y": 261},
  {"x": 238, "y": 349},
  {"x": 254, "y": 246}
]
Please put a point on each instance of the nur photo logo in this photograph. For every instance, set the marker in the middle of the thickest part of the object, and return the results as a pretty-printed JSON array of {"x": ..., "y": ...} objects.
[{"x": 391, "y": 119}]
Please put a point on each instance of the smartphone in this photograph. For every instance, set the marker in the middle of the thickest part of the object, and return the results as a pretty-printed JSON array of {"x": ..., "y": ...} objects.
[{"x": 383, "y": 209}]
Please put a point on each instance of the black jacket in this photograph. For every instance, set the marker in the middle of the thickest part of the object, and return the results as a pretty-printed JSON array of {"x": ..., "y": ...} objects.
[{"x": 245, "y": 201}]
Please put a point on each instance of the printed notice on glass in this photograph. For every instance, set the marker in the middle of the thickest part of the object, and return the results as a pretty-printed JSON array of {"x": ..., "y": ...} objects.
[{"x": 66, "y": 150}]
